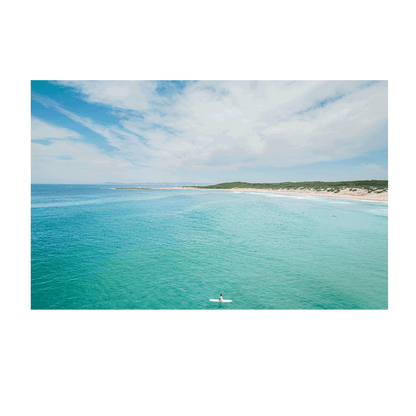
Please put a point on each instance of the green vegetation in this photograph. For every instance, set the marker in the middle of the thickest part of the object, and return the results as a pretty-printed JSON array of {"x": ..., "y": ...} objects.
[{"x": 370, "y": 186}]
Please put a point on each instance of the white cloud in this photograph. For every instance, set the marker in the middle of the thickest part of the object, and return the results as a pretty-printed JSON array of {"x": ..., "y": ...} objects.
[
  {"x": 223, "y": 126},
  {"x": 277, "y": 124},
  {"x": 128, "y": 95},
  {"x": 123, "y": 141},
  {"x": 76, "y": 162},
  {"x": 66, "y": 160},
  {"x": 45, "y": 131}
]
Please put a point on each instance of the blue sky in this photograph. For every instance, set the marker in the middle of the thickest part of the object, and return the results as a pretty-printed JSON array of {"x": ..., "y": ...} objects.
[{"x": 208, "y": 131}]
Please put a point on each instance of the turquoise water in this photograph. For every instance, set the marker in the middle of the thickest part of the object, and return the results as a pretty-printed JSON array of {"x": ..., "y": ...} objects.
[{"x": 95, "y": 247}]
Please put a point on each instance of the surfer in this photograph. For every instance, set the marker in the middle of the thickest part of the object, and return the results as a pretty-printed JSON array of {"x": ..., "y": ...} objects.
[{"x": 220, "y": 299}]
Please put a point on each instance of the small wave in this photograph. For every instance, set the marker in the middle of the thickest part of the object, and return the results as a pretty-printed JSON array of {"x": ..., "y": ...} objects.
[
  {"x": 339, "y": 202},
  {"x": 76, "y": 203},
  {"x": 64, "y": 204},
  {"x": 294, "y": 196},
  {"x": 275, "y": 196},
  {"x": 380, "y": 212}
]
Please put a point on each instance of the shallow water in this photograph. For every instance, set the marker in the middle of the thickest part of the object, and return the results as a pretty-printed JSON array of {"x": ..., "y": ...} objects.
[{"x": 96, "y": 247}]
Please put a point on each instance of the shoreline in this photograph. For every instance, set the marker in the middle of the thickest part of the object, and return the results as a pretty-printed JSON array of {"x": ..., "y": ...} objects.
[{"x": 360, "y": 194}]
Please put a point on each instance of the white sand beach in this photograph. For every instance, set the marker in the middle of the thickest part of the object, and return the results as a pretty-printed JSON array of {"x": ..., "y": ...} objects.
[{"x": 357, "y": 193}]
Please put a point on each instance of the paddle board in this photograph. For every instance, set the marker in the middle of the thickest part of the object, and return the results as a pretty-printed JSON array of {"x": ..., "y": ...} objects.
[{"x": 217, "y": 300}]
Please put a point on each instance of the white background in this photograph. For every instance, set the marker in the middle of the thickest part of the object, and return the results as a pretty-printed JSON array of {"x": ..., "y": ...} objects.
[{"x": 25, "y": 316}]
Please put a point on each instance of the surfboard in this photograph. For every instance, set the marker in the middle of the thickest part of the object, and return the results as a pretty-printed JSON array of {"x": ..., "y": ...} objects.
[{"x": 217, "y": 300}]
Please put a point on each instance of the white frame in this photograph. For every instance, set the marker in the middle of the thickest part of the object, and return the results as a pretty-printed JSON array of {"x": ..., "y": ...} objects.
[{"x": 24, "y": 316}]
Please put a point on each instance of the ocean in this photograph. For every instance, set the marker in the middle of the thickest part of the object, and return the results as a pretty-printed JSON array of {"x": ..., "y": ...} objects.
[{"x": 97, "y": 247}]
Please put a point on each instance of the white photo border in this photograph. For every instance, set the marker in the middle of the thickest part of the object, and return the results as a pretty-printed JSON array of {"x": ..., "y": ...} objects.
[{"x": 25, "y": 316}]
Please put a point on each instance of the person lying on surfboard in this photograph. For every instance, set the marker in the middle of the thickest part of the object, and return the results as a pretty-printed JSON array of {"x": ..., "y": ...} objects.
[{"x": 220, "y": 299}]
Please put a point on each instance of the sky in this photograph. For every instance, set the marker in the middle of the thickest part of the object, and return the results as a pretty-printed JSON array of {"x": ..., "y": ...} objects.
[{"x": 87, "y": 132}]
